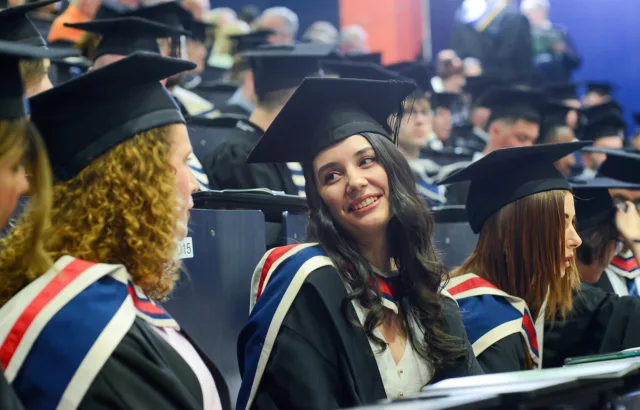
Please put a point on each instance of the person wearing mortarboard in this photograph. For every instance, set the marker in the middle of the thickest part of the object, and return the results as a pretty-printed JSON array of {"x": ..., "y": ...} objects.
[
  {"x": 522, "y": 270},
  {"x": 479, "y": 114},
  {"x": 197, "y": 45},
  {"x": 120, "y": 206},
  {"x": 414, "y": 130},
  {"x": 16, "y": 26},
  {"x": 514, "y": 122},
  {"x": 622, "y": 276},
  {"x": 371, "y": 228},
  {"x": 174, "y": 15},
  {"x": 605, "y": 128},
  {"x": 22, "y": 151},
  {"x": 122, "y": 36},
  {"x": 600, "y": 321},
  {"x": 498, "y": 35},
  {"x": 597, "y": 93},
  {"x": 277, "y": 71},
  {"x": 443, "y": 105},
  {"x": 554, "y": 129},
  {"x": 243, "y": 101},
  {"x": 568, "y": 95}
]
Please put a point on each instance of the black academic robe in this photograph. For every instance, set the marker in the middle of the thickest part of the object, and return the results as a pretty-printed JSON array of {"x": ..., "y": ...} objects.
[
  {"x": 599, "y": 322},
  {"x": 234, "y": 109},
  {"x": 8, "y": 398},
  {"x": 506, "y": 355},
  {"x": 145, "y": 372},
  {"x": 322, "y": 361},
  {"x": 226, "y": 167}
]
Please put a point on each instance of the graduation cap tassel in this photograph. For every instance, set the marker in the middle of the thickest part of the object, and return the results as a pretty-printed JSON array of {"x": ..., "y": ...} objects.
[{"x": 396, "y": 126}]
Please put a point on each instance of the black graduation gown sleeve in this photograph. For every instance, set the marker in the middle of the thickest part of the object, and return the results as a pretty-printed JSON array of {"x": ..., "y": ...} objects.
[
  {"x": 515, "y": 49},
  {"x": 144, "y": 372},
  {"x": 234, "y": 109},
  {"x": 226, "y": 167},
  {"x": 8, "y": 398},
  {"x": 506, "y": 355},
  {"x": 599, "y": 322}
]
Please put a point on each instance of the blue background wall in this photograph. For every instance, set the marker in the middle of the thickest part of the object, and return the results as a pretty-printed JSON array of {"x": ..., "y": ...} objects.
[{"x": 606, "y": 32}]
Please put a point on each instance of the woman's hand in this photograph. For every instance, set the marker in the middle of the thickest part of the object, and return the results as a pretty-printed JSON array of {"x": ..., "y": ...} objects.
[{"x": 628, "y": 223}]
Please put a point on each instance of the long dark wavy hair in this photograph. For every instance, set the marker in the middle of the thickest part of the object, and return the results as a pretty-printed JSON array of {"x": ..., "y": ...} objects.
[{"x": 421, "y": 273}]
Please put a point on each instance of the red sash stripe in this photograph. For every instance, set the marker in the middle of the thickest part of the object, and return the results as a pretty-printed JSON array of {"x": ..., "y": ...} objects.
[
  {"x": 50, "y": 291},
  {"x": 271, "y": 259},
  {"x": 144, "y": 306},
  {"x": 627, "y": 265},
  {"x": 472, "y": 283},
  {"x": 531, "y": 330}
]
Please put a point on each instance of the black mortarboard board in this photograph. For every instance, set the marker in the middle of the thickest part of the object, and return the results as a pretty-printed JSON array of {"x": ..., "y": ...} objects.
[
  {"x": 512, "y": 101},
  {"x": 12, "y": 101},
  {"x": 419, "y": 72},
  {"x": 593, "y": 202},
  {"x": 15, "y": 25},
  {"x": 604, "y": 120},
  {"x": 324, "y": 111},
  {"x": 245, "y": 42},
  {"x": 169, "y": 13},
  {"x": 199, "y": 30},
  {"x": 600, "y": 87},
  {"x": 87, "y": 116},
  {"x": 126, "y": 35},
  {"x": 505, "y": 175},
  {"x": 110, "y": 9},
  {"x": 554, "y": 114},
  {"x": 278, "y": 67},
  {"x": 363, "y": 71},
  {"x": 621, "y": 165},
  {"x": 445, "y": 100},
  {"x": 562, "y": 91},
  {"x": 400, "y": 65},
  {"x": 366, "y": 58}
]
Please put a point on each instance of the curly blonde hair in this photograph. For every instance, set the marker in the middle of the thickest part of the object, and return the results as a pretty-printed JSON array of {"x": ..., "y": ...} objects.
[
  {"x": 121, "y": 209},
  {"x": 21, "y": 142}
]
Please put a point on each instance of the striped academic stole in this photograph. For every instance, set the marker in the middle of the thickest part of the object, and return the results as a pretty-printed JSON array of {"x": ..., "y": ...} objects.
[
  {"x": 489, "y": 314},
  {"x": 297, "y": 176},
  {"x": 478, "y": 15},
  {"x": 626, "y": 266},
  {"x": 275, "y": 284},
  {"x": 58, "y": 332}
]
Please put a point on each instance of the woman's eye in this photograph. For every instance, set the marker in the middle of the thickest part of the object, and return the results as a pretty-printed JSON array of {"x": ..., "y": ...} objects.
[
  {"x": 330, "y": 177},
  {"x": 367, "y": 161}
]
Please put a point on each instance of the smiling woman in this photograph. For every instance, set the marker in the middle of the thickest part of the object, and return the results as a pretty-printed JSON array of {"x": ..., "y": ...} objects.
[{"x": 360, "y": 313}]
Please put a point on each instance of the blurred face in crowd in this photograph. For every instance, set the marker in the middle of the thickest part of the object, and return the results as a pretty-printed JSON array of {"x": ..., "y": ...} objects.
[
  {"x": 480, "y": 117},
  {"x": 565, "y": 164},
  {"x": 354, "y": 186},
  {"x": 442, "y": 123},
  {"x": 593, "y": 160},
  {"x": 506, "y": 134},
  {"x": 282, "y": 32},
  {"x": 415, "y": 126},
  {"x": 591, "y": 99},
  {"x": 197, "y": 54},
  {"x": 13, "y": 184},
  {"x": 622, "y": 195},
  {"x": 572, "y": 116}
]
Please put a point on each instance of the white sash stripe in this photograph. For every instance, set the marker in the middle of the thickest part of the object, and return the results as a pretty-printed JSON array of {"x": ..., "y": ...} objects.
[
  {"x": 98, "y": 355},
  {"x": 69, "y": 292},
  {"x": 497, "y": 334},
  {"x": 309, "y": 266}
]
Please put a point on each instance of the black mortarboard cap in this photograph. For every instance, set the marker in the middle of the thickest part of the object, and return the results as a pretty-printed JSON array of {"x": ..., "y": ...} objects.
[
  {"x": 600, "y": 87},
  {"x": 478, "y": 86},
  {"x": 419, "y": 72},
  {"x": 445, "y": 100},
  {"x": 562, "y": 91},
  {"x": 245, "y": 42},
  {"x": 12, "y": 101},
  {"x": 505, "y": 175},
  {"x": 87, "y": 116},
  {"x": 169, "y": 13},
  {"x": 363, "y": 71},
  {"x": 620, "y": 165},
  {"x": 278, "y": 67},
  {"x": 512, "y": 101},
  {"x": 126, "y": 35},
  {"x": 593, "y": 202},
  {"x": 199, "y": 30},
  {"x": 375, "y": 58},
  {"x": 604, "y": 120},
  {"x": 554, "y": 114},
  {"x": 325, "y": 111},
  {"x": 15, "y": 25}
]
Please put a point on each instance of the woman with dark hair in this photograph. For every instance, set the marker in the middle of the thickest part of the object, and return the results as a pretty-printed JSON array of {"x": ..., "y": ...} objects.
[
  {"x": 357, "y": 315},
  {"x": 523, "y": 267}
]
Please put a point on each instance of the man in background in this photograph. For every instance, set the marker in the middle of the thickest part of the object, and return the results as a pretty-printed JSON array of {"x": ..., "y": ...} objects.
[
  {"x": 354, "y": 40},
  {"x": 554, "y": 55},
  {"x": 321, "y": 32},
  {"x": 282, "y": 21}
]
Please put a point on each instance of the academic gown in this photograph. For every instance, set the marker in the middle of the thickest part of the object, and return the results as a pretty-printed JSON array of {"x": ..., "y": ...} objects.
[
  {"x": 93, "y": 346},
  {"x": 226, "y": 167},
  {"x": 8, "y": 398},
  {"x": 318, "y": 360},
  {"x": 599, "y": 322},
  {"x": 234, "y": 109},
  {"x": 500, "y": 327}
]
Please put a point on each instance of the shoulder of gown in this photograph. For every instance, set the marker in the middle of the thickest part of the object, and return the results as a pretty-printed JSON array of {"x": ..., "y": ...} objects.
[{"x": 506, "y": 355}]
